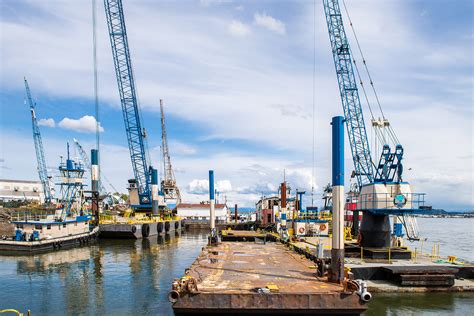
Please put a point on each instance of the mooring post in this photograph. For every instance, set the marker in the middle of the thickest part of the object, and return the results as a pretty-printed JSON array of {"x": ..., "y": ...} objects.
[
  {"x": 95, "y": 184},
  {"x": 154, "y": 192},
  {"x": 236, "y": 214},
  {"x": 337, "y": 251},
  {"x": 212, "y": 217}
]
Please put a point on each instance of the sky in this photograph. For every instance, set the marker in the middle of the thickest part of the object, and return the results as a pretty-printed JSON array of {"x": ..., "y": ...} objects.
[{"x": 236, "y": 78}]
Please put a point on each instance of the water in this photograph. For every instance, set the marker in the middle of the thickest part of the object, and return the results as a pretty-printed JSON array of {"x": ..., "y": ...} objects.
[
  {"x": 114, "y": 277},
  {"x": 454, "y": 236},
  {"x": 126, "y": 277}
]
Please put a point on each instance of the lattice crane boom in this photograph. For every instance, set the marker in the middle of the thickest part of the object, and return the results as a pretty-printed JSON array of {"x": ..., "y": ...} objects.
[
  {"x": 168, "y": 185},
  {"x": 39, "y": 149},
  {"x": 349, "y": 94},
  {"x": 128, "y": 97}
]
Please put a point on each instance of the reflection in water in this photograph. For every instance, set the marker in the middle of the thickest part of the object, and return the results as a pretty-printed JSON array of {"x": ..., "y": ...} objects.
[
  {"x": 117, "y": 277},
  {"x": 421, "y": 304},
  {"x": 111, "y": 277}
]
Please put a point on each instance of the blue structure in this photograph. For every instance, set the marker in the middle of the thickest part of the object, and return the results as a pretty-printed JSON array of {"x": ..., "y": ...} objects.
[
  {"x": 71, "y": 174},
  {"x": 211, "y": 185},
  {"x": 42, "y": 170},
  {"x": 337, "y": 151},
  {"x": 128, "y": 98}
]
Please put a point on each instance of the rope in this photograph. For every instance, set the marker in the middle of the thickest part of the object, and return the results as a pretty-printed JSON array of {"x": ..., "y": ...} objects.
[
  {"x": 96, "y": 85},
  {"x": 363, "y": 58},
  {"x": 314, "y": 100},
  {"x": 391, "y": 132}
]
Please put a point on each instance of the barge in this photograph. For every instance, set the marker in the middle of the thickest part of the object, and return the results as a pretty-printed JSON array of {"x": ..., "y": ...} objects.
[
  {"x": 259, "y": 278},
  {"x": 138, "y": 228}
]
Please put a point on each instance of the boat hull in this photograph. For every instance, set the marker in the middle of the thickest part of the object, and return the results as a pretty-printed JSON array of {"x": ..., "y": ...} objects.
[{"x": 45, "y": 245}]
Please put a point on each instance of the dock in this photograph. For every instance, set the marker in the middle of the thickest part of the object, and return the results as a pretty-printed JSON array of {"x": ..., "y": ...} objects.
[{"x": 263, "y": 278}]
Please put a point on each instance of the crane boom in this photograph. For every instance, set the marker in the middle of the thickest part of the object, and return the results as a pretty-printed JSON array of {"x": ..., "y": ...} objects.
[
  {"x": 349, "y": 94},
  {"x": 42, "y": 170},
  {"x": 128, "y": 97},
  {"x": 168, "y": 185}
]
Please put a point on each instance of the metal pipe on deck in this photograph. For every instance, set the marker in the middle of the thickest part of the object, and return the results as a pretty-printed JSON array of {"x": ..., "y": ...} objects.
[
  {"x": 154, "y": 192},
  {"x": 337, "y": 251}
]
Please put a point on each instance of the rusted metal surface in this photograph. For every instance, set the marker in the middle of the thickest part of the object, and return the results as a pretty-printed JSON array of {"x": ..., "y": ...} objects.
[{"x": 230, "y": 275}]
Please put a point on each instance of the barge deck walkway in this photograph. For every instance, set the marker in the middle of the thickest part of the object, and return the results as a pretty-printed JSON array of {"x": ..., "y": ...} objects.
[{"x": 247, "y": 277}]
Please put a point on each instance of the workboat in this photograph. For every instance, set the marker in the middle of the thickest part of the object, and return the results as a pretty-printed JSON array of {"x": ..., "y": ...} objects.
[{"x": 68, "y": 223}]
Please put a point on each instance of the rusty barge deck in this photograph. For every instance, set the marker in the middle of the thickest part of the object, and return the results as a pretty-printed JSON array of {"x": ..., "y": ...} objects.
[{"x": 261, "y": 278}]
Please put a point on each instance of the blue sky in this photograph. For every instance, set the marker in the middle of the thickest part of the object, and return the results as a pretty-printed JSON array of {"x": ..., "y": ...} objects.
[{"x": 236, "y": 79}]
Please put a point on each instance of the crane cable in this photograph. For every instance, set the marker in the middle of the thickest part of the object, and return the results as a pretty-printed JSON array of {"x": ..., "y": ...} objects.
[
  {"x": 96, "y": 85},
  {"x": 391, "y": 132},
  {"x": 313, "y": 176}
]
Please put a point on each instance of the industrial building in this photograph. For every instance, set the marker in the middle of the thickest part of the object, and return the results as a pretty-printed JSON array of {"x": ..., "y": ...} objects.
[
  {"x": 200, "y": 212},
  {"x": 14, "y": 190}
]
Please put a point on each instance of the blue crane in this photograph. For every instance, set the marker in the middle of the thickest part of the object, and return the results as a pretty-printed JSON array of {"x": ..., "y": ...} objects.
[
  {"x": 381, "y": 190},
  {"x": 42, "y": 170},
  {"x": 389, "y": 167},
  {"x": 128, "y": 97}
]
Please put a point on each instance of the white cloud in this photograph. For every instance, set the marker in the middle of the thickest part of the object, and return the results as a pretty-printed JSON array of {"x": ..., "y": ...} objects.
[
  {"x": 47, "y": 122},
  {"x": 269, "y": 22},
  {"x": 208, "y": 3},
  {"x": 86, "y": 124},
  {"x": 238, "y": 28},
  {"x": 179, "y": 148},
  {"x": 201, "y": 186},
  {"x": 239, "y": 8},
  {"x": 223, "y": 186}
]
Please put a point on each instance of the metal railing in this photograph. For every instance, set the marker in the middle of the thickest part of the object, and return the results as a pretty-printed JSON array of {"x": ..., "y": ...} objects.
[
  {"x": 37, "y": 215},
  {"x": 378, "y": 201}
]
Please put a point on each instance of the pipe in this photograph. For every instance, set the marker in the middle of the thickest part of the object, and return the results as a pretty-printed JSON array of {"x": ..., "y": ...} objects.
[
  {"x": 212, "y": 217},
  {"x": 95, "y": 184},
  {"x": 283, "y": 206},
  {"x": 337, "y": 251},
  {"x": 154, "y": 192},
  {"x": 173, "y": 296},
  {"x": 236, "y": 214},
  {"x": 365, "y": 295}
]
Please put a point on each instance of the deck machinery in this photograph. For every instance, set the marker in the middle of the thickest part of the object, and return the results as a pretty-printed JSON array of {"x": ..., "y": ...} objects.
[{"x": 382, "y": 190}]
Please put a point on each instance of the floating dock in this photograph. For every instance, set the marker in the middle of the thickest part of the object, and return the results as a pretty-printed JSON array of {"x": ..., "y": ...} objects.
[
  {"x": 259, "y": 278},
  {"x": 139, "y": 230}
]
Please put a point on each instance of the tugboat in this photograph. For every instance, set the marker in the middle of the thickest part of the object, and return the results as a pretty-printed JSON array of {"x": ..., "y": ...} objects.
[{"x": 68, "y": 224}]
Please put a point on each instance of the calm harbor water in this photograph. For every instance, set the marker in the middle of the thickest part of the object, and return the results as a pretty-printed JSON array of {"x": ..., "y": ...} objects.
[{"x": 125, "y": 277}]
